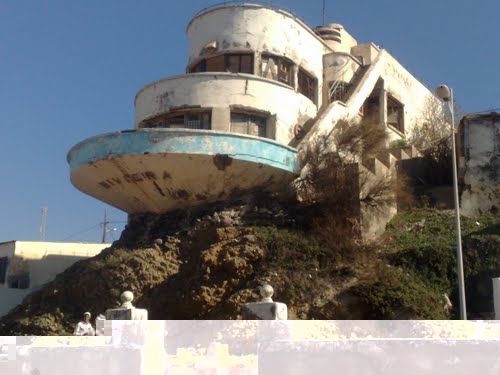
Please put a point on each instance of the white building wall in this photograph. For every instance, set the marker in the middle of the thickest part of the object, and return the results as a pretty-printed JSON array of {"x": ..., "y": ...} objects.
[
  {"x": 259, "y": 29},
  {"x": 408, "y": 90},
  {"x": 222, "y": 90},
  {"x": 44, "y": 260}
]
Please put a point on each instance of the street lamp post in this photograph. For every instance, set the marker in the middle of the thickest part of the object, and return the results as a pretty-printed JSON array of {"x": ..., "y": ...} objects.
[{"x": 446, "y": 94}]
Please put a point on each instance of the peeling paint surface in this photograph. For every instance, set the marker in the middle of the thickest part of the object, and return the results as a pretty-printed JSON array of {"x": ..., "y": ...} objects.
[
  {"x": 161, "y": 170},
  {"x": 232, "y": 90},
  {"x": 264, "y": 29},
  {"x": 480, "y": 164}
]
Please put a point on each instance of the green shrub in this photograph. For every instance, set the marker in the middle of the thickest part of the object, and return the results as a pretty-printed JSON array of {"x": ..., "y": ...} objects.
[
  {"x": 400, "y": 143},
  {"x": 424, "y": 243},
  {"x": 397, "y": 294},
  {"x": 291, "y": 249}
]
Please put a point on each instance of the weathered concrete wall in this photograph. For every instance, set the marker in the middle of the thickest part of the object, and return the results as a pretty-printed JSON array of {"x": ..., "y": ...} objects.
[
  {"x": 259, "y": 29},
  {"x": 339, "y": 66},
  {"x": 374, "y": 218},
  {"x": 409, "y": 91},
  {"x": 222, "y": 90},
  {"x": 368, "y": 52},
  {"x": 10, "y": 298},
  {"x": 480, "y": 164},
  {"x": 44, "y": 260}
]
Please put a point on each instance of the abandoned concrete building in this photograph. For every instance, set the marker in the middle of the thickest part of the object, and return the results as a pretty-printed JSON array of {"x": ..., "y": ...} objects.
[
  {"x": 260, "y": 86},
  {"x": 479, "y": 158}
]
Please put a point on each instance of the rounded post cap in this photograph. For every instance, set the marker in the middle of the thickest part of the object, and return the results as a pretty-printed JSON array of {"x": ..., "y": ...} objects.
[{"x": 266, "y": 291}]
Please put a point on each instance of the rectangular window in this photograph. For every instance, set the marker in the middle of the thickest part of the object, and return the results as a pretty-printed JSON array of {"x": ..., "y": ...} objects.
[
  {"x": 187, "y": 120},
  {"x": 239, "y": 63},
  {"x": 395, "y": 114},
  {"x": 247, "y": 64},
  {"x": 215, "y": 64},
  {"x": 174, "y": 122},
  {"x": 248, "y": 124},
  {"x": 285, "y": 72},
  {"x": 20, "y": 281},
  {"x": 4, "y": 261},
  {"x": 233, "y": 63},
  {"x": 278, "y": 69},
  {"x": 307, "y": 85}
]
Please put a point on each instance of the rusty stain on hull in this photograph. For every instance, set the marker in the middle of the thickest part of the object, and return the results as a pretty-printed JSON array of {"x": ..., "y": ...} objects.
[{"x": 221, "y": 161}]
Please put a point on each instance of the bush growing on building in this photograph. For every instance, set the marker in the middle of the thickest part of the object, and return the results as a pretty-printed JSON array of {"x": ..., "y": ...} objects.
[
  {"x": 400, "y": 143},
  {"x": 334, "y": 187},
  {"x": 432, "y": 137}
]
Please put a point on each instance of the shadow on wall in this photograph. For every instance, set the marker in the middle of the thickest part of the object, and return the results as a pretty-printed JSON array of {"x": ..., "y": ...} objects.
[{"x": 25, "y": 276}]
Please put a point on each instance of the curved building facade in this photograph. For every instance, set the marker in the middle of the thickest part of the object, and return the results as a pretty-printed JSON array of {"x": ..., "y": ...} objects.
[{"x": 260, "y": 86}]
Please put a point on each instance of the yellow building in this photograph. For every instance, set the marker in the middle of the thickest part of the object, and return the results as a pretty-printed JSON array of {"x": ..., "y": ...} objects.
[{"x": 27, "y": 265}]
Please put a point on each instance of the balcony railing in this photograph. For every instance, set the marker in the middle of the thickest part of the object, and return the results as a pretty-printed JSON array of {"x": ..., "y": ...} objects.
[{"x": 270, "y": 4}]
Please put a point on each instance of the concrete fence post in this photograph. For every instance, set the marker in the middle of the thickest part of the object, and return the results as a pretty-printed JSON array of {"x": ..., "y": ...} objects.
[{"x": 266, "y": 309}]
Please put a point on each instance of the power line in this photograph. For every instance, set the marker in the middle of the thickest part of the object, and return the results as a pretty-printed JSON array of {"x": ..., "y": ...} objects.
[
  {"x": 486, "y": 110},
  {"x": 82, "y": 231}
]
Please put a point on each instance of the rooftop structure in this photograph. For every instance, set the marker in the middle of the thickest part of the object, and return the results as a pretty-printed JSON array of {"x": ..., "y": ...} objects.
[{"x": 260, "y": 86}]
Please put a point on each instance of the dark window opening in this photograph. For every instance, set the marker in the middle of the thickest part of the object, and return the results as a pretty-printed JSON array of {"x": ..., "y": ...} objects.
[
  {"x": 278, "y": 69},
  {"x": 4, "y": 261},
  {"x": 245, "y": 123},
  {"x": 200, "y": 67},
  {"x": 307, "y": 85},
  {"x": 395, "y": 114},
  {"x": 339, "y": 90},
  {"x": 20, "y": 281},
  {"x": 239, "y": 63},
  {"x": 186, "y": 120},
  {"x": 233, "y": 63},
  {"x": 371, "y": 107}
]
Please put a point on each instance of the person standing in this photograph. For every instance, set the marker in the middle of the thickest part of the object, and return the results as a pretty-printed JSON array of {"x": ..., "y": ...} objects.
[{"x": 84, "y": 327}]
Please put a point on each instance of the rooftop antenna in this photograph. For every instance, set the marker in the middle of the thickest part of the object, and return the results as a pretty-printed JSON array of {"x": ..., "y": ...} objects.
[
  {"x": 324, "y": 11},
  {"x": 43, "y": 223}
]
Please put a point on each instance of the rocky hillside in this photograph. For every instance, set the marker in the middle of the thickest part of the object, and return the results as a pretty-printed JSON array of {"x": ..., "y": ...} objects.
[{"x": 207, "y": 264}]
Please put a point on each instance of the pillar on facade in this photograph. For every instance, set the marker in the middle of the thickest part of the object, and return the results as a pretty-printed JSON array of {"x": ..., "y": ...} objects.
[{"x": 382, "y": 103}]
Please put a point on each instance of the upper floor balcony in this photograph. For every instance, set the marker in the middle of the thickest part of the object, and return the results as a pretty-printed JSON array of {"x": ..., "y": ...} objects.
[{"x": 230, "y": 102}]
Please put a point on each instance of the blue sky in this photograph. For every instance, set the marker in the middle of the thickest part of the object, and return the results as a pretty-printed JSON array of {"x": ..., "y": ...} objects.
[{"x": 70, "y": 69}]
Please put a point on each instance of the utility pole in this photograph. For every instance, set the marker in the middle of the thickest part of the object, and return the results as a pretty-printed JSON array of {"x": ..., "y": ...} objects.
[
  {"x": 446, "y": 94},
  {"x": 324, "y": 12},
  {"x": 105, "y": 226},
  {"x": 43, "y": 223}
]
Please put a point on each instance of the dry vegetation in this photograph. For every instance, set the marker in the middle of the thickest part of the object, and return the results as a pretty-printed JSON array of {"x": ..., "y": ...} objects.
[{"x": 335, "y": 187}]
